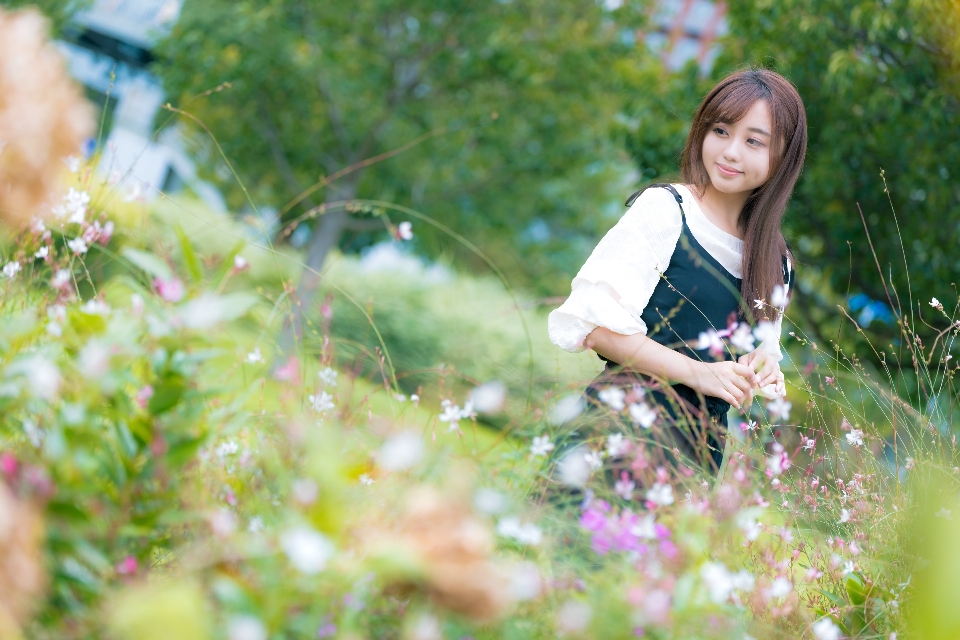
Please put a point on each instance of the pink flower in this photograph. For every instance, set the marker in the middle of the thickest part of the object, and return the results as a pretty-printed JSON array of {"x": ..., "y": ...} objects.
[
  {"x": 8, "y": 465},
  {"x": 170, "y": 290},
  {"x": 143, "y": 395},
  {"x": 289, "y": 372},
  {"x": 593, "y": 520},
  {"x": 127, "y": 567}
]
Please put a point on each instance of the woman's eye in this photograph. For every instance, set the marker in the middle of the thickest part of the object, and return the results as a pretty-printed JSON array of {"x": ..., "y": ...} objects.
[{"x": 719, "y": 130}]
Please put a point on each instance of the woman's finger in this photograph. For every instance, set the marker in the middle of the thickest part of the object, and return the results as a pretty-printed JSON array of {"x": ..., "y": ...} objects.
[
  {"x": 741, "y": 384},
  {"x": 745, "y": 371}
]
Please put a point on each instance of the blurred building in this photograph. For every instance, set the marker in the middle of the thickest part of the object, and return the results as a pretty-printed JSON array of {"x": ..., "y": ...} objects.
[
  {"x": 108, "y": 49},
  {"x": 684, "y": 30}
]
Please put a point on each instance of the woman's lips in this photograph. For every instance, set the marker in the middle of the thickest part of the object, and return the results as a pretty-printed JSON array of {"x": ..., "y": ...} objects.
[{"x": 727, "y": 171}]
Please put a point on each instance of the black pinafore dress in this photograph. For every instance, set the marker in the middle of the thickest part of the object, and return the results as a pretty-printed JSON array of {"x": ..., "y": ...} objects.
[{"x": 694, "y": 294}]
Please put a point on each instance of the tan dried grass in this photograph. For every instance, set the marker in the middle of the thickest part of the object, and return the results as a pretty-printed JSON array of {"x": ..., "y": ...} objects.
[
  {"x": 22, "y": 577},
  {"x": 43, "y": 117},
  {"x": 454, "y": 553}
]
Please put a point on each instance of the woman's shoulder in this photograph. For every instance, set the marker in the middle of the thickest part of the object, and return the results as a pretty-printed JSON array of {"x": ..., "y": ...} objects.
[{"x": 656, "y": 200}]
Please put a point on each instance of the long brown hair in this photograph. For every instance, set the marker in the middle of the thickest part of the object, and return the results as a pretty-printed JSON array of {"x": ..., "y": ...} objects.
[{"x": 762, "y": 215}]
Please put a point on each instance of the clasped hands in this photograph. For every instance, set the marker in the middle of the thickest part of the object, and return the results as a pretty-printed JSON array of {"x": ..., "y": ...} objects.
[{"x": 737, "y": 382}]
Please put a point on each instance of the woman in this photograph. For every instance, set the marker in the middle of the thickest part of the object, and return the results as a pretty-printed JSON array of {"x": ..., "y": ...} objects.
[{"x": 691, "y": 263}]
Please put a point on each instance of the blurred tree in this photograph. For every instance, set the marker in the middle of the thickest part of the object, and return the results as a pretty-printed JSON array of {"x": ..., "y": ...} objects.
[
  {"x": 59, "y": 11},
  {"x": 871, "y": 73},
  {"x": 521, "y": 95}
]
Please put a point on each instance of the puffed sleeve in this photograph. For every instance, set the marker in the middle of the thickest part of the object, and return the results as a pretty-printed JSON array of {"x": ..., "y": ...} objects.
[{"x": 615, "y": 284}]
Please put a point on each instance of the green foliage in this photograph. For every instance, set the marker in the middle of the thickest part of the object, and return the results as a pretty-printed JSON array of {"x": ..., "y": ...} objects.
[
  {"x": 523, "y": 92},
  {"x": 871, "y": 74}
]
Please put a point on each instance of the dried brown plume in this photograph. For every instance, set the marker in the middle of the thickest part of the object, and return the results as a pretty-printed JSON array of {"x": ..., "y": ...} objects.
[
  {"x": 454, "y": 551},
  {"x": 43, "y": 117},
  {"x": 22, "y": 578}
]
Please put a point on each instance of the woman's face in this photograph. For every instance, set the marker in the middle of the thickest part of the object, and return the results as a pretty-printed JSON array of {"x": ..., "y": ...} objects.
[{"x": 737, "y": 154}]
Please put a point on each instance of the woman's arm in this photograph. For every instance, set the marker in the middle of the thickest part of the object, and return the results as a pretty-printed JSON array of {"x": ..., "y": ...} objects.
[{"x": 730, "y": 381}]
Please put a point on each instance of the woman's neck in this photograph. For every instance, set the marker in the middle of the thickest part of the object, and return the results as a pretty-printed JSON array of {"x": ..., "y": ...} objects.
[{"x": 722, "y": 209}]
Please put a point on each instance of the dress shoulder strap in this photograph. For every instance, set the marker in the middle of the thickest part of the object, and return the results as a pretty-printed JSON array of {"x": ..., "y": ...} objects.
[{"x": 663, "y": 185}]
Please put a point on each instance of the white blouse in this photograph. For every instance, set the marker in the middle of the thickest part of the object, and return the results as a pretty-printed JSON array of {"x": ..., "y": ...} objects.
[{"x": 615, "y": 284}]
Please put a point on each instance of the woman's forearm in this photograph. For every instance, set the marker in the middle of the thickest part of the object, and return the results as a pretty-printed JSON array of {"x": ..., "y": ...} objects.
[{"x": 641, "y": 354}]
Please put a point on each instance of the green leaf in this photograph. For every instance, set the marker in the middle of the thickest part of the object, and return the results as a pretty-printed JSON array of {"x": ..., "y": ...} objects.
[
  {"x": 149, "y": 263},
  {"x": 189, "y": 256},
  {"x": 167, "y": 394}
]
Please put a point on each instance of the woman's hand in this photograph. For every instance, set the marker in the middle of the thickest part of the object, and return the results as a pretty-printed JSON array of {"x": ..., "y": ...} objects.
[
  {"x": 730, "y": 381},
  {"x": 767, "y": 369}
]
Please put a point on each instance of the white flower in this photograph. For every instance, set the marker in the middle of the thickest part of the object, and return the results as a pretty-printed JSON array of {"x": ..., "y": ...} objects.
[
  {"x": 645, "y": 528},
  {"x": 366, "y": 480},
  {"x": 133, "y": 194},
  {"x": 711, "y": 340},
  {"x": 594, "y": 459},
  {"x": 43, "y": 376},
  {"x": 573, "y": 469},
  {"x": 825, "y": 629},
  {"x": 613, "y": 396},
  {"x": 721, "y": 583},
  {"x": 855, "y": 437},
  {"x": 935, "y": 303},
  {"x": 661, "y": 494},
  {"x": 848, "y": 567},
  {"x": 742, "y": 338},
  {"x": 624, "y": 487},
  {"x": 95, "y": 307},
  {"x": 779, "y": 408},
  {"x": 758, "y": 303},
  {"x": 240, "y": 263},
  {"x": 321, "y": 402},
  {"x": 227, "y": 448},
  {"x": 60, "y": 279},
  {"x": 452, "y": 413},
  {"x": 405, "y": 230},
  {"x": 524, "y": 533},
  {"x": 614, "y": 444},
  {"x": 944, "y": 513},
  {"x": 73, "y": 163},
  {"x": 246, "y": 628},
  {"x": 780, "y": 588},
  {"x": 779, "y": 297},
  {"x": 779, "y": 461},
  {"x": 566, "y": 409},
  {"x": 844, "y": 515},
  {"x": 642, "y": 414},
  {"x": 328, "y": 377},
  {"x": 541, "y": 446},
  {"x": 11, "y": 269},
  {"x": 489, "y": 501},
  {"x": 77, "y": 245},
  {"x": 42, "y": 252},
  {"x": 254, "y": 356},
  {"x": 74, "y": 206},
  {"x": 489, "y": 396},
  {"x": 765, "y": 330},
  {"x": 751, "y": 529},
  {"x": 400, "y": 452},
  {"x": 305, "y": 491},
  {"x": 307, "y": 549}
]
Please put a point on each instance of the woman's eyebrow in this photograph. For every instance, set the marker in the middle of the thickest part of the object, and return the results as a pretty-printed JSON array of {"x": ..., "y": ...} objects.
[{"x": 757, "y": 130}]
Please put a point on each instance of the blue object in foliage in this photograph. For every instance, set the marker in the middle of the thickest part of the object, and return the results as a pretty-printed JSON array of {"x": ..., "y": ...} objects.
[{"x": 870, "y": 310}]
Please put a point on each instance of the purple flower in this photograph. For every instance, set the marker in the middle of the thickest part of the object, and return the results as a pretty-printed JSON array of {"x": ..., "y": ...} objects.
[
  {"x": 593, "y": 520},
  {"x": 668, "y": 549},
  {"x": 662, "y": 532}
]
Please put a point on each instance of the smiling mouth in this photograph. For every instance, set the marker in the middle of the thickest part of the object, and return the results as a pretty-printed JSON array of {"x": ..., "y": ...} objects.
[{"x": 727, "y": 170}]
